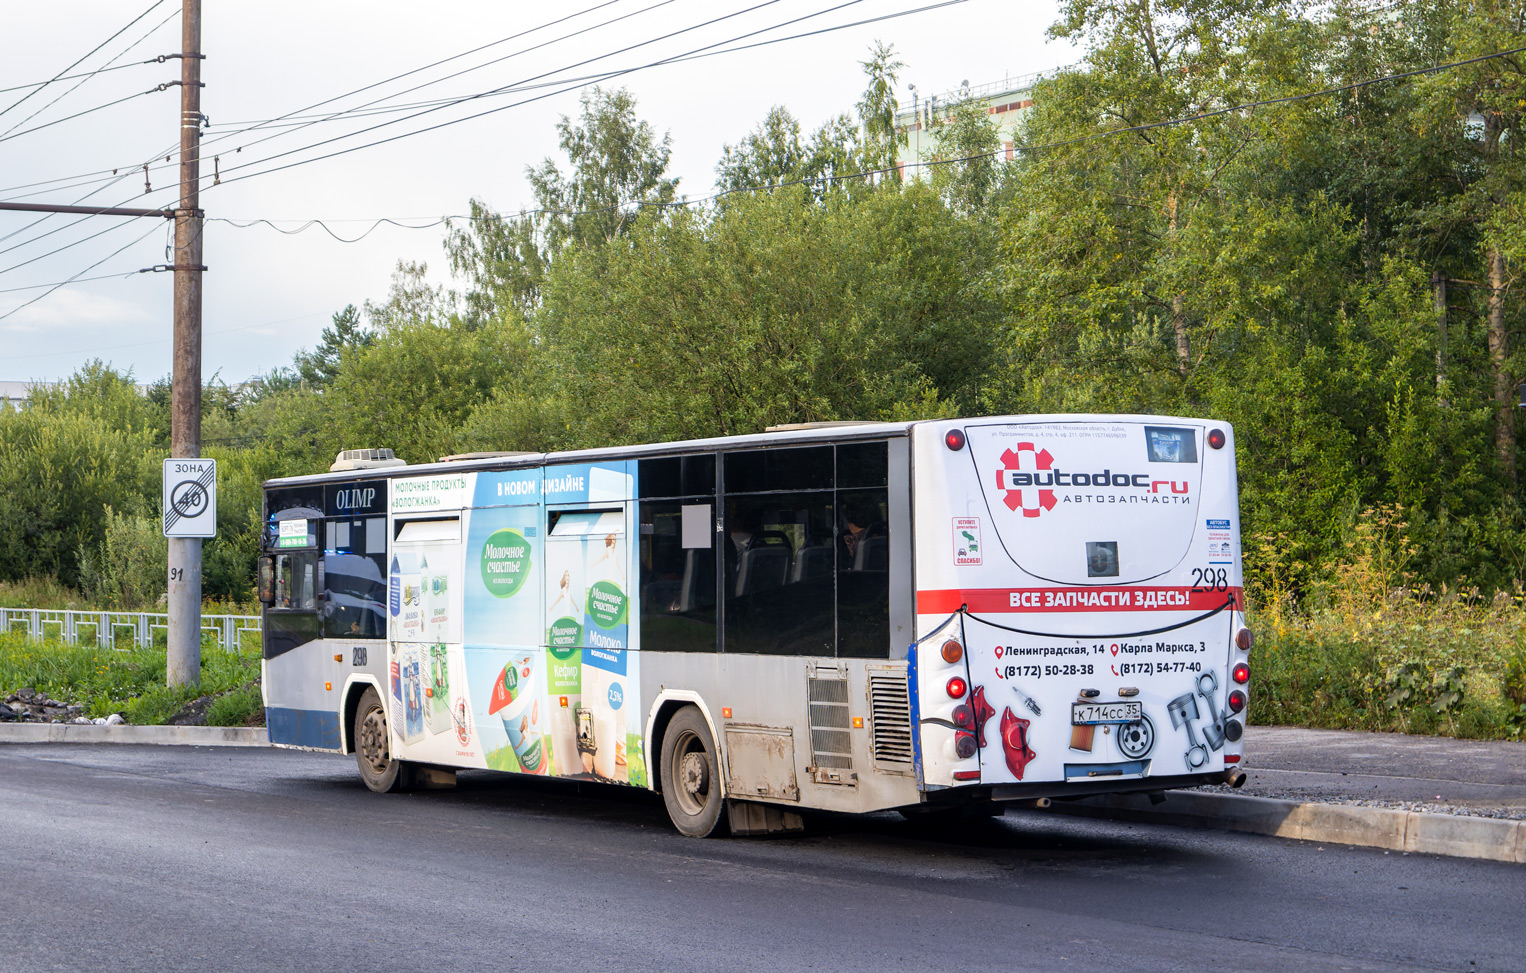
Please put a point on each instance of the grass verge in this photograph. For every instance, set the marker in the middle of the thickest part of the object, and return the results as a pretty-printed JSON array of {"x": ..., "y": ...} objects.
[{"x": 131, "y": 682}]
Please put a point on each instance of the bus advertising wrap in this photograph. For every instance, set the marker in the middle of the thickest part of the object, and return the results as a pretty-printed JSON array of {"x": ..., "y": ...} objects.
[{"x": 520, "y": 607}]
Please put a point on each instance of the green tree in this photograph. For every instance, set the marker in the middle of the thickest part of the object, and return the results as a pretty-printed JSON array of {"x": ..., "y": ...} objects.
[
  {"x": 70, "y": 453},
  {"x": 770, "y": 154},
  {"x": 773, "y": 153},
  {"x": 1481, "y": 108},
  {"x": 775, "y": 309},
  {"x": 617, "y": 165},
  {"x": 877, "y": 108},
  {"x": 966, "y": 142},
  {"x": 320, "y": 366}
]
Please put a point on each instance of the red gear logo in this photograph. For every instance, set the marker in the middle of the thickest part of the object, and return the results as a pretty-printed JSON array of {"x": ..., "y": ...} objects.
[{"x": 1031, "y": 500}]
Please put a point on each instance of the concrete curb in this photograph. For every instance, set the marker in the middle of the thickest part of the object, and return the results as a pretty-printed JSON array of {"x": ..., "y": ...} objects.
[
  {"x": 1460, "y": 836},
  {"x": 198, "y": 736}
]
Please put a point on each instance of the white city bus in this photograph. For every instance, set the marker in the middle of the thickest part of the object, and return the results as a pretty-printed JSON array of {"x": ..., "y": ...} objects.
[{"x": 920, "y": 616}]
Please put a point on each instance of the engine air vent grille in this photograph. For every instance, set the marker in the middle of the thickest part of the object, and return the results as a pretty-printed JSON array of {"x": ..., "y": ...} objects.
[
  {"x": 831, "y": 739},
  {"x": 890, "y": 719}
]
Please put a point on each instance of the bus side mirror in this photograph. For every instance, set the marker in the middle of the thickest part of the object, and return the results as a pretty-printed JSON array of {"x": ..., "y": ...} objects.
[{"x": 266, "y": 584}]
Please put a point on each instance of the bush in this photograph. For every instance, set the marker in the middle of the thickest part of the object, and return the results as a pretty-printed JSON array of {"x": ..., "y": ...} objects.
[
  {"x": 1420, "y": 664},
  {"x": 126, "y": 569}
]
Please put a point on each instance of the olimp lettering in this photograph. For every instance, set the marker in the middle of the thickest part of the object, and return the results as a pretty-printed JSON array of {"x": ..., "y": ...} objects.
[
  {"x": 355, "y": 499},
  {"x": 1059, "y": 478}
]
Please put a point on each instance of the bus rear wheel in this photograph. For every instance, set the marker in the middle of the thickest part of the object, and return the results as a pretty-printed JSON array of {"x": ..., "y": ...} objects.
[
  {"x": 373, "y": 748},
  {"x": 691, "y": 780}
]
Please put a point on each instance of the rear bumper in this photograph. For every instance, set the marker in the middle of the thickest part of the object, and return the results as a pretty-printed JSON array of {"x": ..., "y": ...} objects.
[{"x": 1060, "y": 790}]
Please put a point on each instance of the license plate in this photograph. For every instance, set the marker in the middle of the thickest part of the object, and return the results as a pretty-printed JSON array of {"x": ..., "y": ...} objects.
[{"x": 1091, "y": 714}]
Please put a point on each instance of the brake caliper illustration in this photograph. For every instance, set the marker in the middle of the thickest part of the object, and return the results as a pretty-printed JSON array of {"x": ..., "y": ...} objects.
[
  {"x": 983, "y": 713},
  {"x": 1014, "y": 742}
]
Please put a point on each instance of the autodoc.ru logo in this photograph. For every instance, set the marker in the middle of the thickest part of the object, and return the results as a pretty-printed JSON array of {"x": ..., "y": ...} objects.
[
  {"x": 1019, "y": 470},
  {"x": 1028, "y": 477}
]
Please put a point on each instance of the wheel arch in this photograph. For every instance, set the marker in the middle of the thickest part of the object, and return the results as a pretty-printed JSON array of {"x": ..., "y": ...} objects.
[
  {"x": 668, "y": 703},
  {"x": 354, "y": 688}
]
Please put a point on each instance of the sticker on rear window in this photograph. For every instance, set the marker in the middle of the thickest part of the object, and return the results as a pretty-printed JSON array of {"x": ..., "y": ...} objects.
[
  {"x": 1170, "y": 444},
  {"x": 1102, "y": 559}
]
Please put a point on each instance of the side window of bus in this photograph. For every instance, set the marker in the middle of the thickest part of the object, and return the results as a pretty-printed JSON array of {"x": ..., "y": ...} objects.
[
  {"x": 863, "y": 575},
  {"x": 678, "y": 574},
  {"x": 778, "y": 573},
  {"x": 863, "y": 551},
  {"x": 296, "y": 581},
  {"x": 355, "y": 578}
]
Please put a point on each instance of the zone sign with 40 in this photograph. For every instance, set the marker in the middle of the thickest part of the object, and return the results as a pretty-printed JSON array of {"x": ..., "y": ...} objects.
[{"x": 190, "y": 498}]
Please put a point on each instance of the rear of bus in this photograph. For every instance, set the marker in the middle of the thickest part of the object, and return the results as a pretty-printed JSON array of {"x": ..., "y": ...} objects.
[{"x": 1079, "y": 606}]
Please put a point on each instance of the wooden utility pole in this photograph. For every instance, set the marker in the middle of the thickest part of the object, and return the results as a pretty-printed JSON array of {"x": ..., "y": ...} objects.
[{"x": 184, "y": 648}]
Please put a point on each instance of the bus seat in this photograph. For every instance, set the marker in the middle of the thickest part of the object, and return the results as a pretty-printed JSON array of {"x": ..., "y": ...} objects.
[
  {"x": 765, "y": 563},
  {"x": 813, "y": 562},
  {"x": 873, "y": 554}
]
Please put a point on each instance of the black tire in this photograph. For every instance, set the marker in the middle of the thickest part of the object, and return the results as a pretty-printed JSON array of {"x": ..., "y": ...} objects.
[
  {"x": 691, "y": 779},
  {"x": 373, "y": 747}
]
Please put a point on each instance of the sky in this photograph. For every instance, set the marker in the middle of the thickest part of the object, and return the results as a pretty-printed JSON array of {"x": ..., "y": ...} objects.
[{"x": 268, "y": 294}]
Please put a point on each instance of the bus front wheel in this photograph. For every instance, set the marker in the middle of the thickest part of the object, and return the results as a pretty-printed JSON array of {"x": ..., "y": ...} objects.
[
  {"x": 691, "y": 780},
  {"x": 373, "y": 748}
]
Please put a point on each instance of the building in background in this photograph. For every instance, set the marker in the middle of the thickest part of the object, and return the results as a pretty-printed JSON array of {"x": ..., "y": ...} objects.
[
  {"x": 14, "y": 393},
  {"x": 1007, "y": 101}
]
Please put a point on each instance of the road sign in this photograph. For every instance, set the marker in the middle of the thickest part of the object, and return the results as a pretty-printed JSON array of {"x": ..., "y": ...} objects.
[{"x": 190, "y": 498}]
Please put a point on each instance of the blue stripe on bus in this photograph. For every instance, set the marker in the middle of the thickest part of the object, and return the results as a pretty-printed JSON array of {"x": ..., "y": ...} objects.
[
  {"x": 303, "y": 727},
  {"x": 916, "y": 715}
]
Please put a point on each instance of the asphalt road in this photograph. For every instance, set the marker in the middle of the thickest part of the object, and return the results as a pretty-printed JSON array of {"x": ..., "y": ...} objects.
[{"x": 128, "y": 858}]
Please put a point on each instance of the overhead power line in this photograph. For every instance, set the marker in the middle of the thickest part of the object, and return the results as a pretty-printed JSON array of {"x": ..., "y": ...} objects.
[
  {"x": 72, "y": 280},
  {"x": 499, "y": 60},
  {"x": 570, "y": 87},
  {"x": 85, "y": 74},
  {"x": 1246, "y": 106},
  {"x": 173, "y": 14},
  {"x": 13, "y": 134},
  {"x": 82, "y": 273},
  {"x": 252, "y": 126},
  {"x": 92, "y": 51}
]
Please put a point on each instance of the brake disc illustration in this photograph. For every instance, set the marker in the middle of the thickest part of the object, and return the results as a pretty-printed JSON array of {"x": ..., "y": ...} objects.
[{"x": 1136, "y": 739}]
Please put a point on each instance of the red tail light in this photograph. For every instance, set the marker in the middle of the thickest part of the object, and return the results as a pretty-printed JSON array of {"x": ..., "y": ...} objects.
[
  {"x": 966, "y": 775},
  {"x": 1241, "y": 673},
  {"x": 954, "y": 439},
  {"x": 1216, "y": 438},
  {"x": 964, "y": 744},
  {"x": 964, "y": 716},
  {"x": 957, "y": 687},
  {"x": 1236, "y": 701},
  {"x": 1245, "y": 639},
  {"x": 952, "y": 651}
]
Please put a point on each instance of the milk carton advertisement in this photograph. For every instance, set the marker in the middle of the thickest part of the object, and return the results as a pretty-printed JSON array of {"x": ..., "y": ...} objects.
[{"x": 545, "y": 602}]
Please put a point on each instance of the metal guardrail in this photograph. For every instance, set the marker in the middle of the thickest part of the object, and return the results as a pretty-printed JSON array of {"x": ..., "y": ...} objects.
[{"x": 110, "y": 629}]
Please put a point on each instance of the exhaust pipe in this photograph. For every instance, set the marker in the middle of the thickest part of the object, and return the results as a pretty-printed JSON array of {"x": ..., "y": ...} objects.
[{"x": 1234, "y": 777}]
